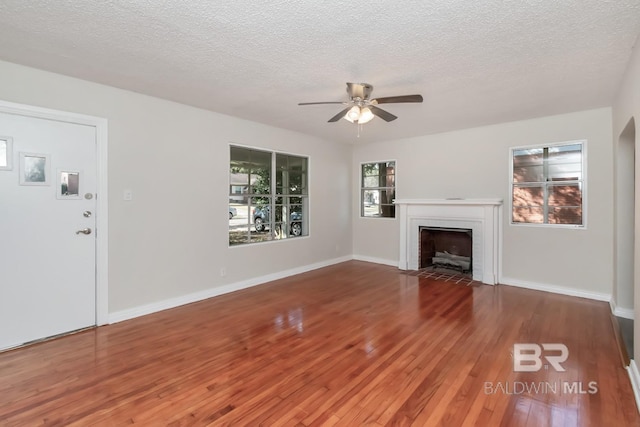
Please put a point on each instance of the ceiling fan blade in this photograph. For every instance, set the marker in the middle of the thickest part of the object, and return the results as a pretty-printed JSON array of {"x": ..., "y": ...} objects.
[
  {"x": 316, "y": 103},
  {"x": 384, "y": 115},
  {"x": 397, "y": 99},
  {"x": 340, "y": 115}
]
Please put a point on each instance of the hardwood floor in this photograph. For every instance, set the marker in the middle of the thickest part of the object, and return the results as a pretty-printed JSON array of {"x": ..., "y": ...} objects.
[{"x": 351, "y": 344}]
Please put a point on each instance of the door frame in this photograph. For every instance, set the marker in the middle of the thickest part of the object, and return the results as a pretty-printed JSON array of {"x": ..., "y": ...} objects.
[{"x": 102, "y": 199}]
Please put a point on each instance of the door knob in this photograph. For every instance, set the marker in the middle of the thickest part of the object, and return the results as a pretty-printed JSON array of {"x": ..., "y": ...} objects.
[{"x": 84, "y": 231}]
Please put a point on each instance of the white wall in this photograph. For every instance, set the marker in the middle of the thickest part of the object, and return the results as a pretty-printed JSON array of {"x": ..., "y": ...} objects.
[
  {"x": 171, "y": 239},
  {"x": 474, "y": 163},
  {"x": 625, "y": 108}
]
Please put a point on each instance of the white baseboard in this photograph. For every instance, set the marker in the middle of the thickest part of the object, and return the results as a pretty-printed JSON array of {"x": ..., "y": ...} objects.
[
  {"x": 375, "y": 260},
  {"x": 625, "y": 313},
  {"x": 142, "y": 310},
  {"x": 556, "y": 289},
  {"x": 634, "y": 376}
]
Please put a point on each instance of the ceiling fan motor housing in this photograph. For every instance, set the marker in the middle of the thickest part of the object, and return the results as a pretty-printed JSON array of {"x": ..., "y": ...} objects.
[{"x": 359, "y": 90}]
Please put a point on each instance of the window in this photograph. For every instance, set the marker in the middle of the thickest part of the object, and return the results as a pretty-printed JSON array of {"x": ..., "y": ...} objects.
[
  {"x": 268, "y": 196},
  {"x": 378, "y": 189},
  {"x": 547, "y": 184}
]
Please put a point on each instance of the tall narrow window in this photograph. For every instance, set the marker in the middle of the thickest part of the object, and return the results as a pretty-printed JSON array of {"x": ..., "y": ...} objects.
[
  {"x": 291, "y": 195},
  {"x": 268, "y": 196},
  {"x": 378, "y": 189},
  {"x": 547, "y": 184}
]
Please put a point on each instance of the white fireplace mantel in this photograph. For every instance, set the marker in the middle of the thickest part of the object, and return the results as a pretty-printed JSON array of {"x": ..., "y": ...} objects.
[{"x": 482, "y": 216}]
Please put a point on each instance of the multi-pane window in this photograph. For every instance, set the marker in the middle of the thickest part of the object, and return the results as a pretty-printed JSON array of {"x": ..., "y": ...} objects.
[
  {"x": 268, "y": 196},
  {"x": 378, "y": 189},
  {"x": 547, "y": 184}
]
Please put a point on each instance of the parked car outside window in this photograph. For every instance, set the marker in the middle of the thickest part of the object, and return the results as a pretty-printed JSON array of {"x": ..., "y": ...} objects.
[{"x": 261, "y": 220}]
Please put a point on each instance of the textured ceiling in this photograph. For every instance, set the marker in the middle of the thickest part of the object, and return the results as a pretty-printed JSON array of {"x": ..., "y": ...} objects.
[{"x": 475, "y": 62}]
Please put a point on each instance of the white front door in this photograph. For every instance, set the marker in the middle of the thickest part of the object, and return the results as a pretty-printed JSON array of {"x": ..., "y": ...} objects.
[{"x": 47, "y": 229}]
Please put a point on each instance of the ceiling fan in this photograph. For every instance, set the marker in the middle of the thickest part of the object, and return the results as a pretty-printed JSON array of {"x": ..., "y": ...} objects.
[{"x": 361, "y": 109}]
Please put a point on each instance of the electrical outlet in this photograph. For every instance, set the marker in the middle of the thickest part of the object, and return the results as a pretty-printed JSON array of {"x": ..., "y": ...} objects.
[{"x": 223, "y": 272}]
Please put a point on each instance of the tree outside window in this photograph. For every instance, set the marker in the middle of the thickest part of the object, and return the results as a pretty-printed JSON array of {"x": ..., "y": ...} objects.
[{"x": 378, "y": 189}]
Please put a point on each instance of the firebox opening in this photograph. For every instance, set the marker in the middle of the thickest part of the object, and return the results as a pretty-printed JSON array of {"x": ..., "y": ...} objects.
[{"x": 449, "y": 248}]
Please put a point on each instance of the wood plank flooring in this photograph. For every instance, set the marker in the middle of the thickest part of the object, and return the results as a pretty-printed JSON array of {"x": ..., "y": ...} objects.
[{"x": 351, "y": 344}]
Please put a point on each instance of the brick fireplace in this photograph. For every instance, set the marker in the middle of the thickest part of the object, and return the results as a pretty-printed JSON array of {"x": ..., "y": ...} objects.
[{"x": 482, "y": 218}]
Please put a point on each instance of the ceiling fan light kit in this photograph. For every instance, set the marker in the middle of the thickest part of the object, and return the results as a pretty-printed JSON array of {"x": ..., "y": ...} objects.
[
  {"x": 353, "y": 114},
  {"x": 361, "y": 108},
  {"x": 359, "y": 115},
  {"x": 365, "y": 115}
]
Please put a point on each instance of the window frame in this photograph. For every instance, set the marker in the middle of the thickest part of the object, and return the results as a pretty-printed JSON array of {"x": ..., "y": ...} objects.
[
  {"x": 362, "y": 188},
  {"x": 273, "y": 195},
  {"x": 582, "y": 182}
]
